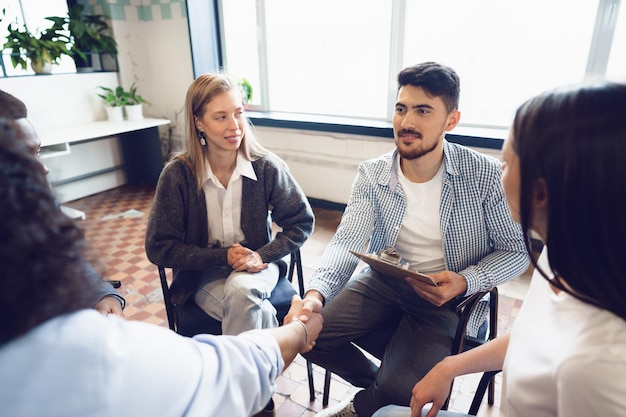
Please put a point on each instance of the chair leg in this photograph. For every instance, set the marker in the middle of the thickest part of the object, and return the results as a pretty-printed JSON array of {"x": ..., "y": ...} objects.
[
  {"x": 309, "y": 370},
  {"x": 487, "y": 381},
  {"x": 295, "y": 266},
  {"x": 493, "y": 321},
  {"x": 326, "y": 393}
]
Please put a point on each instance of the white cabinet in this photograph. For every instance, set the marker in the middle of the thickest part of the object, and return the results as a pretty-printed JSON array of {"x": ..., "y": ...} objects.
[{"x": 89, "y": 158}]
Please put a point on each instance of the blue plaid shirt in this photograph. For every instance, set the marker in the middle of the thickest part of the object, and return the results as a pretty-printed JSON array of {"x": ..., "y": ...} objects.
[{"x": 480, "y": 240}]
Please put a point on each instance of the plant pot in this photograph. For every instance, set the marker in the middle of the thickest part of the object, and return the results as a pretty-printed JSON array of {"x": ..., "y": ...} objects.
[
  {"x": 83, "y": 65},
  {"x": 114, "y": 114},
  {"x": 41, "y": 66},
  {"x": 134, "y": 112}
]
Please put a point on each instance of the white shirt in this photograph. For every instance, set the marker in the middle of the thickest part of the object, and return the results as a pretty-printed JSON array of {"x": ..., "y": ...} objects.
[
  {"x": 565, "y": 358},
  {"x": 85, "y": 364},
  {"x": 419, "y": 240},
  {"x": 224, "y": 204}
]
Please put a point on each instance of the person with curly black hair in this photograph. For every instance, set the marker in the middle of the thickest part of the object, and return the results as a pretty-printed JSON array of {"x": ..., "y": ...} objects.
[
  {"x": 105, "y": 298},
  {"x": 59, "y": 357}
]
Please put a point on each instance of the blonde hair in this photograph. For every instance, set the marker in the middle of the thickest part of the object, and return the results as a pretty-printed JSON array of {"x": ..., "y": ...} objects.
[{"x": 199, "y": 94}]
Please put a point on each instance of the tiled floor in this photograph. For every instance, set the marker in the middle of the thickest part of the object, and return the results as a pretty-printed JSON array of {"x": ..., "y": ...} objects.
[{"x": 115, "y": 227}]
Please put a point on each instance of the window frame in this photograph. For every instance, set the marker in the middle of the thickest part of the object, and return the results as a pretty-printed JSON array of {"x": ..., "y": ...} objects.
[{"x": 492, "y": 138}]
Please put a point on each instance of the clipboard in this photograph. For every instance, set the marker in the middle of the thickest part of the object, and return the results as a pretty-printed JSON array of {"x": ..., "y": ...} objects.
[{"x": 391, "y": 270}]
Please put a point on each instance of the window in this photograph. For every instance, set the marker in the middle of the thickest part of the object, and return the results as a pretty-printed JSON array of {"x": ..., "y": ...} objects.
[
  {"x": 323, "y": 57},
  {"x": 340, "y": 58},
  {"x": 616, "y": 68},
  {"x": 504, "y": 52},
  {"x": 33, "y": 13}
]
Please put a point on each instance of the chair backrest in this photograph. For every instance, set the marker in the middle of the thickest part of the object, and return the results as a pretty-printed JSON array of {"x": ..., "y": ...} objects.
[
  {"x": 295, "y": 267},
  {"x": 190, "y": 319},
  {"x": 463, "y": 341},
  {"x": 167, "y": 298},
  {"x": 465, "y": 308}
]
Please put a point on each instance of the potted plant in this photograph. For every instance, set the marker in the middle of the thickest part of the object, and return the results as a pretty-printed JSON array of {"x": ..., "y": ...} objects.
[
  {"x": 114, "y": 100},
  {"x": 133, "y": 103},
  {"x": 247, "y": 89},
  {"x": 87, "y": 35},
  {"x": 43, "y": 49}
]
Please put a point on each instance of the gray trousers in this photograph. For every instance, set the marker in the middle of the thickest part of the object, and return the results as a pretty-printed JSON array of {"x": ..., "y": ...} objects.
[
  {"x": 388, "y": 319},
  {"x": 240, "y": 300}
]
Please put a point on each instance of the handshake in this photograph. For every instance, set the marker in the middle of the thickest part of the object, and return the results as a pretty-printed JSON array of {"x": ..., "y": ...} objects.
[{"x": 305, "y": 314}]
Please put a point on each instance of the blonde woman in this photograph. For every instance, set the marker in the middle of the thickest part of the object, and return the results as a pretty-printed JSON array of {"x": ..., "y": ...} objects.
[{"x": 210, "y": 218}]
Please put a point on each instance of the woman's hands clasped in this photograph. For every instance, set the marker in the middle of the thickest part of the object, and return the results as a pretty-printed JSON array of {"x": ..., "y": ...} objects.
[{"x": 244, "y": 259}]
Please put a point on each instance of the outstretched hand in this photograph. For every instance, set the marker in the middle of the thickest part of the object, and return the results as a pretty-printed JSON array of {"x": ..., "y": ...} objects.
[
  {"x": 312, "y": 303},
  {"x": 312, "y": 319},
  {"x": 433, "y": 388}
]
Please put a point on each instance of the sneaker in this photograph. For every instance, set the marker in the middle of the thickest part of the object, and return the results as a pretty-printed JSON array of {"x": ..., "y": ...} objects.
[{"x": 342, "y": 409}]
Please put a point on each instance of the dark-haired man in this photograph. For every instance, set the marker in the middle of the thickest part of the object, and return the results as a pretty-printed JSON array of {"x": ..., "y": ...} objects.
[
  {"x": 441, "y": 206},
  {"x": 106, "y": 300}
]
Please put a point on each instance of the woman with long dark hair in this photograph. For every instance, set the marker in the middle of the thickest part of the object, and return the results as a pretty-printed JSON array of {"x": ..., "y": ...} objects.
[{"x": 564, "y": 178}]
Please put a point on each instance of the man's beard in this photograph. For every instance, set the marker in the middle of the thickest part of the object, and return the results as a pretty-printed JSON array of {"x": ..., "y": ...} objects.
[{"x": 411, "y": 154}]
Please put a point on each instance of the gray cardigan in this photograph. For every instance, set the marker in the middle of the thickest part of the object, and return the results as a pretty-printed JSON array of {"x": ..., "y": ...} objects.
[{"x": 177, "y": 231}]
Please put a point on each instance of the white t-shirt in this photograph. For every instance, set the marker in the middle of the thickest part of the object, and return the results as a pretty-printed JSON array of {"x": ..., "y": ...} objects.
[
  {"x": 565, "y": 358},
  {"x": 419, "y": 241}
]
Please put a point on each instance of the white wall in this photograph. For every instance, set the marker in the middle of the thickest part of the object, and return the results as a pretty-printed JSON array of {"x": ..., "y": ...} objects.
[
  {"x": 156, "y": 55},
  {"x": 325, "y": 164},
  {"x": 59, "y": 100}
]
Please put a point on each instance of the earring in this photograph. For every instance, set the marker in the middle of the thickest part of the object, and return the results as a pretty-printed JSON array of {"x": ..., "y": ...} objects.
[{"x": 202, "y": 138}]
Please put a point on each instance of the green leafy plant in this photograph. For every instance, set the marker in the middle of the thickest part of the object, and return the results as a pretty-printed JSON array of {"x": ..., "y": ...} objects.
[
  {"x": 44, "y": 47},
  {"x": 113, "y": 97},
  {"x": 131, "y": 97},
  {"x": 247, "y": 89},
  {"x": 87, "y": 33},
  {"x": 120, "y": 97}
]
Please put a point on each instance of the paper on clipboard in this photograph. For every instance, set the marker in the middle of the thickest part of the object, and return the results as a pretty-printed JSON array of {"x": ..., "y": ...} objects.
[{"x": 389, "y": 269}]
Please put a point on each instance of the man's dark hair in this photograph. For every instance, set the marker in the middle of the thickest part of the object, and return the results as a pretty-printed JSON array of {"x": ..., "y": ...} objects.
[
  {"x": 11, "y": 107},
  {"x": 436, "y": 79}
]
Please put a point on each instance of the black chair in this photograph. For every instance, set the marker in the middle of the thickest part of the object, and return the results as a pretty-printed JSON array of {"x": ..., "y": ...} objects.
[
  {"x": 114, "y": 283},
  {"x": 190, "y": 319},
  {"x": 462, "y": 341}
]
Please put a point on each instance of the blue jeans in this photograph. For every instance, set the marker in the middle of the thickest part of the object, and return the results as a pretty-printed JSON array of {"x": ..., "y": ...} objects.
[
  {"x": 388, "y": 319},
  {"x": 240, "y": 300}
]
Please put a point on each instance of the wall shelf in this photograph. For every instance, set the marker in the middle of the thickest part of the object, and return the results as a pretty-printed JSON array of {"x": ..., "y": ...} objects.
[
  {"x": 85, "y": 131},
  {"x": 92, "y": 157}
]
